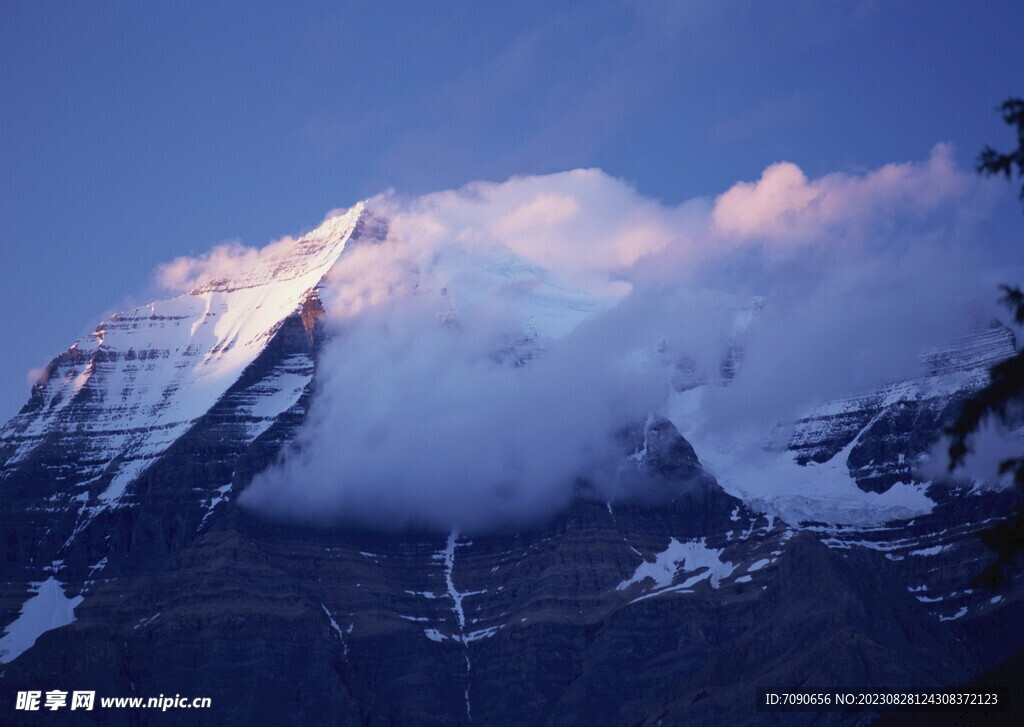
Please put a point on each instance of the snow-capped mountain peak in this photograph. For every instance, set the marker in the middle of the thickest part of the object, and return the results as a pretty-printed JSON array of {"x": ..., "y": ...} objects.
[{"x": 121, "y": 395}]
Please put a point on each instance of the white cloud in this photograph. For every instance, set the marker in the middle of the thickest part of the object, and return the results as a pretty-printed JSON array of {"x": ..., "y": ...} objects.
[
  {"x": 542, "y": 212},
  {"x": 584, "y": 225},
  {"x": 424, "y": 415},
  {"x": 187, "y": 273}
]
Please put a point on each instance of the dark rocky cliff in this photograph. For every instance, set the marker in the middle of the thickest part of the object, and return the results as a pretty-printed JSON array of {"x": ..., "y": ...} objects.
[{"x": 283, "y": 625}]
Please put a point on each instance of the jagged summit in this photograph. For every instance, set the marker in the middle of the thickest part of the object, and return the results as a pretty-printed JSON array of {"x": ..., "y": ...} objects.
[
  {"x": 313, "y": 254},
  {"x": 120, "y": 396}
]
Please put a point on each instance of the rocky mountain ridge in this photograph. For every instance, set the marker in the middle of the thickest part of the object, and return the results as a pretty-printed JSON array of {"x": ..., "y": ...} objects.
[{"x": 119, "y": 485}]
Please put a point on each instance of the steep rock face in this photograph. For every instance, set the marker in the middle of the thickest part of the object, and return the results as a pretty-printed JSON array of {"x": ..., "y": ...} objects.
[
  {"x": 612, "y": 613},
  {"x": 891, "y": 429},
  {"x": 209, "y": 373},
  {"x": 883, "y": 436}
]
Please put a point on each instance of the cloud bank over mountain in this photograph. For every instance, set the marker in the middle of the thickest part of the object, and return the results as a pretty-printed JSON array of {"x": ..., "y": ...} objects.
[
  {"x": 784, "y": 206},
  {"x": 482, "y": 358}
]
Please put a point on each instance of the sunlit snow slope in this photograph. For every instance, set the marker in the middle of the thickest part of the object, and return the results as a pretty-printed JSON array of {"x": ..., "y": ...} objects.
[{"x": 120, "y": 396}]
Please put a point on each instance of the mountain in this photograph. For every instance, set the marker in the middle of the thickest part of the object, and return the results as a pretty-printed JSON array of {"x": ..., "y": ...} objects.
[{"x": 131, "y": 568}]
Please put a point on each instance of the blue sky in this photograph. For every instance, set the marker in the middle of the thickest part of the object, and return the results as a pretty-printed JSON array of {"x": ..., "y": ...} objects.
[{"x": 132, "y": 133}]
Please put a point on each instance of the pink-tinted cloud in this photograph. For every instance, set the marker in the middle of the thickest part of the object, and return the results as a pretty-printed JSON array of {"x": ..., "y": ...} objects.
[
  {"x": 544, "y": 210},
  {"x": 584, "y": 225},
  {"x": 787, "y": 208},
  {"x": 187, "y": 273}
]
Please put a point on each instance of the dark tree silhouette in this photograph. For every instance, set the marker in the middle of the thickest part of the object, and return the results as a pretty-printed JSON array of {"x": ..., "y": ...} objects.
[
  {"x": 1001, "y": 398},
  {"x": 991, "y": 162}
]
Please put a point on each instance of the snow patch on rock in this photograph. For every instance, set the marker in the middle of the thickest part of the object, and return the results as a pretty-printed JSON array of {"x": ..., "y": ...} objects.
[
  {"x": 48, "y": 609},
  {"x": 681, "y": 557}
]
